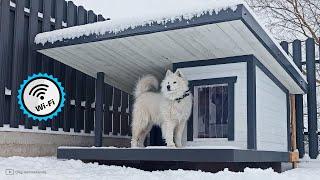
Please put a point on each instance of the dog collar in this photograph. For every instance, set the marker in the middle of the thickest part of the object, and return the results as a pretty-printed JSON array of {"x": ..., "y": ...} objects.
[{"x": 186, "y": 94}]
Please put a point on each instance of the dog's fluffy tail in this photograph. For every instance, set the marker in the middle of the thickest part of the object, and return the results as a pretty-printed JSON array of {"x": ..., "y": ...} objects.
[{"x": 145, "y": 84}]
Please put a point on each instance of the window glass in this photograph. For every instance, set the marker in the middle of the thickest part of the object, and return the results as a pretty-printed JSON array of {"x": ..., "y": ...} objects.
[{"x": 212, "y": 111}]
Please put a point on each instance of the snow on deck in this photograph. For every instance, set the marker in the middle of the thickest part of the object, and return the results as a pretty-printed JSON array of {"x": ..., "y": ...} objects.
[
  {"x": 183, "y": 11},
  {"x": 51, "y": 168}
]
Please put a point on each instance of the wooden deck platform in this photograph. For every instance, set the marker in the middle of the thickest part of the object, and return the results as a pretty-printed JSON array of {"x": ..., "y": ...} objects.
[{"x": 190, "y": 158}]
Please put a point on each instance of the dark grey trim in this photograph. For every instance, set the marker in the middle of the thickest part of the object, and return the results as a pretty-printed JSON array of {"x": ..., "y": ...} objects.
[
  {"x": 208, "y": 62},
  {"x": 241, "y": 13},
  {"x": 231, "y": 109},
  {"x": 172, "y": 155},
  {"x": 225, "y": 80},
  {"x": 251, "y": 105},
  {"x": 99, "y": 109},
  {"x": 222, "y": 80}
]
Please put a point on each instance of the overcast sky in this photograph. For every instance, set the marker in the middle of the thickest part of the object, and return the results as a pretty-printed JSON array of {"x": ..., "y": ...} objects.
[{"x": 133, "y": 8}]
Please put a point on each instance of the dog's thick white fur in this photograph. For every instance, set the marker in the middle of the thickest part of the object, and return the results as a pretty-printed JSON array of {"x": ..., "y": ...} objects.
[{"x": 170, "y": 109}]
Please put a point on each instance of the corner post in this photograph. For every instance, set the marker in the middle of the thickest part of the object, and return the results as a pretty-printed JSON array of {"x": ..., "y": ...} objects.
[
  {"x": 297, "y": 57},
  {"x": 251, "y": 107},
  {"x": 99, "y": 110},
  {"x": 312, "y": 99}
]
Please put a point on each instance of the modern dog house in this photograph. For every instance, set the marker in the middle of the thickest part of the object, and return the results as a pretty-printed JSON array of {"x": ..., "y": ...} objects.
[{"x": 240, "y": 77}]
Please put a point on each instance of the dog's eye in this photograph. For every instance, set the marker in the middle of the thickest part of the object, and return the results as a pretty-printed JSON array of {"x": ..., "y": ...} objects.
[{"x": 174, "y": 82}]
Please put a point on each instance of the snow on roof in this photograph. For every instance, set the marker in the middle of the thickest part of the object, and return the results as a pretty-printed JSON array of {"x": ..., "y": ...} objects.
[
  {"x": 179, "y": 11},
  {"x": 184, "y": 11}
]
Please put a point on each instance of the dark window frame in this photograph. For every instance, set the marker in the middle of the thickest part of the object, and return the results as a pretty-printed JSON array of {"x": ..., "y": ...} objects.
[{"x": 230, "y": 81}]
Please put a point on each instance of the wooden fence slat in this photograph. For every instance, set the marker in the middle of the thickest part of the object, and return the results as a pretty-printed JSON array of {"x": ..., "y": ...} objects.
[
  {"x": 58, "y": 14},
  {"x": 89, "y": 111},
  {"x": 32, "y": 55},
  {"x": 78, "y": 110},
  {"x": 4, "y": 55},
  {"x": 285, "y": 46},
  {"x": 83, "y": 98},
  {"x": 92, "y": 99},
  {"x": 46, "y": 15},
  {"x": 72, "y": 95},
  {"x": 41, "y": 6},
  {"x": 124, "y": 114},
  {"x": 131, "y": 101},
  {"x": 82, "y": 16},
  {"x": 92, "y": 17},
  {"x": 107, "y": 112},
  {"x": 45, "y": 61},
  {"x": 101, "y": 18},
  {"x": 98, "y": 124},
  {"x": 46, "y": 26},
  {"x": 116, "y": 113},
  {"x": 16, "y": 62},
  {"x": 72, "y": 21},
  {"x": 87, "y": 128},
  {"x": 66, "y": 115}
]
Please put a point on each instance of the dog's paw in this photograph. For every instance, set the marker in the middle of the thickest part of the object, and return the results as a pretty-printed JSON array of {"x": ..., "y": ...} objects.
[
  {"x": 171, "y": 145},
  {"x": 179, "y": 145}
]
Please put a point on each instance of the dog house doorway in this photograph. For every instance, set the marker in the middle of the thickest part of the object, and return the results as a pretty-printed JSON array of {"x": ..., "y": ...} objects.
[{"x": 213, "y": 110}]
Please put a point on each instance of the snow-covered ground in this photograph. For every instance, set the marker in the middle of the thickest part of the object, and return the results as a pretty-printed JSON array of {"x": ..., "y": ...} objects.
[{"x": 51, "y": 168}]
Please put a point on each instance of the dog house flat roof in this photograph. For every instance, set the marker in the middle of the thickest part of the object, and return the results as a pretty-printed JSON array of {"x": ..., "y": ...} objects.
[{"x": 127, "y": 54}]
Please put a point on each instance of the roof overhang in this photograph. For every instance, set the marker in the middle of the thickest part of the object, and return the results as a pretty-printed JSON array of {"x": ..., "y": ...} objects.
[{"x": 126, "y": 55}]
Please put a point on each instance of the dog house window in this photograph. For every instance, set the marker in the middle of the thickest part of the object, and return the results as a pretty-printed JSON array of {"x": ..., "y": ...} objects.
[{"x": 213, "y": 110}]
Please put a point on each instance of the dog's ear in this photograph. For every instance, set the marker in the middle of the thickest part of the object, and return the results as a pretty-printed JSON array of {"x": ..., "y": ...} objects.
[
  {"x": 169, "y": 72},
  {"x": 179, "y": 73}
]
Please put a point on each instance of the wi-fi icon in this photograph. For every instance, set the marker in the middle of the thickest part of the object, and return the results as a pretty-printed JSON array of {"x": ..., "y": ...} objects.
[{"x": 39, "y": 91}]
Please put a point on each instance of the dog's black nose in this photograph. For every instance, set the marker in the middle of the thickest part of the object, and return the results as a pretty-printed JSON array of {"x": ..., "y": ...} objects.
[{"x": 168, "y": 87}]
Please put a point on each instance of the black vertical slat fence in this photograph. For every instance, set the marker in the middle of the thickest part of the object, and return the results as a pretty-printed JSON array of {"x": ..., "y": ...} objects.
[
  {"x": 310, "y": 72},
  {"x": 18, "y": 29}
]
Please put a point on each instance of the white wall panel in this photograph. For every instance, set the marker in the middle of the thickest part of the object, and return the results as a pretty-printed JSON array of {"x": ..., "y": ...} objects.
[{"x": 271, "y": 104}]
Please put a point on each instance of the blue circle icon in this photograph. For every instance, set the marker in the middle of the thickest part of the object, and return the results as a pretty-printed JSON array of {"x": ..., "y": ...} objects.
[{"x": 41, "y": 97}]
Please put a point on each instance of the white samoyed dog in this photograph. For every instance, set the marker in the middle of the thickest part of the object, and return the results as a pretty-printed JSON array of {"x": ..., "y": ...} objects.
[{"x": 170, "y": 109}]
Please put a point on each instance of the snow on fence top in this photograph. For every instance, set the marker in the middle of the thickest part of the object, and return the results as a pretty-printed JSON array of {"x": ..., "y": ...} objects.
[{"x": 184, "y": 11}]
